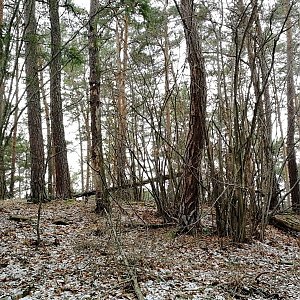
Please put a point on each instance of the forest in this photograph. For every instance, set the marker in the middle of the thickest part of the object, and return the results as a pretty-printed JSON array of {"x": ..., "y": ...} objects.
[{"x": 149, "y": 149}]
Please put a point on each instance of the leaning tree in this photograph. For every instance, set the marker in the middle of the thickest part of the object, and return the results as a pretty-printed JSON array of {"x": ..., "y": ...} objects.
[{"x": 189, "y": 209}]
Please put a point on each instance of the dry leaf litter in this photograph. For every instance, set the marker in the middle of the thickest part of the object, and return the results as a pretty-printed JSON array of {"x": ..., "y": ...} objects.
[{"x": 78, "y": 258}]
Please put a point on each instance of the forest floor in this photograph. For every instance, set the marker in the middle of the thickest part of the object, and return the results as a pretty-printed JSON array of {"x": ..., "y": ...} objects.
[{"x": 84, "y": 258}]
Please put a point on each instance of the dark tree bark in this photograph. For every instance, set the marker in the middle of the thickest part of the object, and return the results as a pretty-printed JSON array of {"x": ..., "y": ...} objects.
[
  {"x": 2, "y": 72},
  {"x": 1, "y": 13},
  {"x": 291, "y": 96},
  {"x": 63, "y": 182},
  {"x": 189, "y": 210},
  {"x": 102, "y": 200},
  {"x": 37, "y": 183}
]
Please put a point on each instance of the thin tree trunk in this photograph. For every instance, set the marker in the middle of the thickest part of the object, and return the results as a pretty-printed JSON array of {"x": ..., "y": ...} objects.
[
  {"x": 50, "y": 152},
  {"x": 1, "y": 14},
  {"x": 291, "y": 96},
  {"x": 81, "y": 154},
  {"x": 2, "y": 104},
  {"x": 263, "y": 158},
  {"x": 86, "y": 117},
  {"x": 15, "y": 130},
  {"x": 241, "y": 138},
  {"x": 285, "y": 170},
  {"x": 168, "y": 127},
  {"x": 88, "y": 149},
  {"x": 122, "y": 49},
  {"x": 269, "y": 184},
  {"x": 218, "y": 192}
]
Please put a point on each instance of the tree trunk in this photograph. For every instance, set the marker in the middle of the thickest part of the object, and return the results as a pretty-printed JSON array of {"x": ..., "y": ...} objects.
[
  {"x": 37, "y": 183},
  {"x": 16, "y": 115},
  {"x": 242, "y": 135},
  {"x": 189, "y": 210},
  {"x": 259, "y": 202},
  {"x": 122, "y": 57},
  {"x": 63, "y": 182},
  {"x": 287, "y": 222},
  {"x": 80, "y": 136},
  {"x": 168, "y": 191},
  {"x": 291, "y": 96},
  {"x": 15, "y": 129},
  {"x": 1, "y": 13},
  {"x": 86, "y": 116},
  {"x": 218, "y": 192},
  {"x": 102, "y": 200},
  {"x": 50, "y": 160},
  {"x": 2, "y": 99},
  {"x": 269, "y": 183}
]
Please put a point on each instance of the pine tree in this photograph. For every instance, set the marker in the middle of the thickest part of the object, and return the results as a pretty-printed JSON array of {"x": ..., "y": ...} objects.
[
  {"x": 37, "y": 183},
  {"x": 102, "y": 200},
  {"x": 63, "y": 183},
  {"x": 189, "y": 210}
]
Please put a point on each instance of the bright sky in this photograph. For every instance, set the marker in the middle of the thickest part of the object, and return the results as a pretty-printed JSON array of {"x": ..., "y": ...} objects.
[{"x": 83, "y": 3}]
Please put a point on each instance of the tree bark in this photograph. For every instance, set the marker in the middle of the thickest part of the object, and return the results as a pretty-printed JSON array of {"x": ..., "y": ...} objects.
[
  {"x": 15, "y": 129},
  {"x": 102, "y": 200},
  {"x": 291, "y": 96},
  {"x": 63, "y": 182},
  {"x": 286, "y": 222},
  {"x": 37, "y": 183},
  {"x": 86, "y": 116},
  {"x": 189, "y": 210},
  {"x": 80, "y": 136},
  {"x": 129, "y": 185},
  {"x": 2, "y": 99},
  {"x": 50, "y": 165},
  {"x": 1, "y": 12},
  {"x": 122, "y": 57}
]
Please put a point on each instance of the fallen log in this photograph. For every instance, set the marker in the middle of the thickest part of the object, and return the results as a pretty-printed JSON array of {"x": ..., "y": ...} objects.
[
  {"x": 148, "y": 225},
  {"x": 129, "y": 185},
  {"x": 19, "y": 218},
  {"x": 60, "y": 222},
  {"x": 286, "y": 222}
]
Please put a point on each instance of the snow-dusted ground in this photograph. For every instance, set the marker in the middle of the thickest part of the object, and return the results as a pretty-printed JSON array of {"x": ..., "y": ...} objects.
[{"x": 81, "y": 260}]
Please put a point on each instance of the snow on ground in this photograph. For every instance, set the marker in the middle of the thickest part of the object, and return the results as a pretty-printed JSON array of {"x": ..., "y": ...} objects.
[{"x": 81, "y": 260}]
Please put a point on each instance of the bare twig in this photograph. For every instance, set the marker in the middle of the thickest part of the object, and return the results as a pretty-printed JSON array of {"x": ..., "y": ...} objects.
[
  {"x": 130, "y": 270},
  {"x": 259, "y": 275}
]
